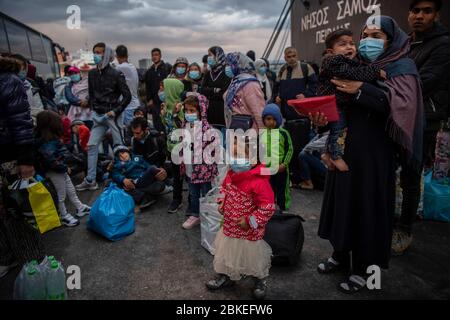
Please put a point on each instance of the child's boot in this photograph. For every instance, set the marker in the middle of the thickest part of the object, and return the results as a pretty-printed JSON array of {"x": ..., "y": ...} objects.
[
  {"x": 220, "y": 282},
  {"x": 260, "y": 290}
]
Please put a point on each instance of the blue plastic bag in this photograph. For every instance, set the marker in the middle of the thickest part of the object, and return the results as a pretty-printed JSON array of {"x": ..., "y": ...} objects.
[
  {"x": 436, "y": 200},
  {"x": 112, "y": 214}
]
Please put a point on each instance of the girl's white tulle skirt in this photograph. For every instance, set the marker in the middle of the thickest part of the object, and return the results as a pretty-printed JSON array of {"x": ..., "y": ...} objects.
[{"x": 238, "y": 257}]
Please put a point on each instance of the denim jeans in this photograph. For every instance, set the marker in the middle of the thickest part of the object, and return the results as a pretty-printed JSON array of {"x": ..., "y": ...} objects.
[
  {"x": 337, "y": 129},
  {"x": 310, "y": 162},
  {"x": 128, "y": 115},
  {"x": 101, "y": 125},
  {"x": 196, "y": 191}
]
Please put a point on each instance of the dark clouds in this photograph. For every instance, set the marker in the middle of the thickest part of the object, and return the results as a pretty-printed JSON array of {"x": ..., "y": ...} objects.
[{"x": 179, "y": 27}]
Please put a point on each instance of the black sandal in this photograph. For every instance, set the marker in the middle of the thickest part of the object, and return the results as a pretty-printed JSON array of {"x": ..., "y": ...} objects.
[
  {"x": 353, "y": 285},
  {"x": 329, "y": 266}
]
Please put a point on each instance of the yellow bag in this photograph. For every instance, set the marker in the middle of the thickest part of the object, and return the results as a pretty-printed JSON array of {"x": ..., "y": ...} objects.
[{"x": 43, "y": 207}]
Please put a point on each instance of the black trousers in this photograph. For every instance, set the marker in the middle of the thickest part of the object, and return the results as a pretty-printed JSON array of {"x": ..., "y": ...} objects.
[
  {"x": 177, "y": 183},
  {"x": 278, "y": 183}
]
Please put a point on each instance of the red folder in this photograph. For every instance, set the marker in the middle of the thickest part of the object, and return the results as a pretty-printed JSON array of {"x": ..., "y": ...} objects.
[{"x": 326, "y": 105}]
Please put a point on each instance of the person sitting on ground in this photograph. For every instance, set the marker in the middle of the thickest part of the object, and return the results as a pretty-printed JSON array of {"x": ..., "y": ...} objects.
[
  {"x": 339, "y": 63},
  {"x": 140, "y": 179},
  {"x": 148, "y": 143},
  {"x": 311, "y": 163}
]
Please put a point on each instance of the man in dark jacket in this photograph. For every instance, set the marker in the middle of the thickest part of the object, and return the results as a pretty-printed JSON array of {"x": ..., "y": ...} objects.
[
  {"x": 109, "y": 95},
  {"x": 19, "y": 242},
  {"x": 430, "y": 49},
  {"x": 295, "y": 80},
  {"x": 153, "y": 78},
  {"x": 149, "y": 144}
]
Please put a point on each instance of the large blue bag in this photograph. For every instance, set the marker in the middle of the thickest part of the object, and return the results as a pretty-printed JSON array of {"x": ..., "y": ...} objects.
[
  {"x": 112, "y": 214},
  {"x": 436, "y": 200}
]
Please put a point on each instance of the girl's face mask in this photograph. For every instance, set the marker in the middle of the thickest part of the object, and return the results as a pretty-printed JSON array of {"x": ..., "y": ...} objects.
[
  {"x": 239, "y": 165},
  {"x": 75, "y": 78},
  {"x": 191, "y": 117}
]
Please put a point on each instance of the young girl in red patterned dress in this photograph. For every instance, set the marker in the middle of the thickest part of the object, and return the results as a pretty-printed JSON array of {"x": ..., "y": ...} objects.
[{"x": 247, "y": 207}]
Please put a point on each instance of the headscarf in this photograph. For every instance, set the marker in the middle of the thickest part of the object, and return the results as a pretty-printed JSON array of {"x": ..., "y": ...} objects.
[
  {"x": 404, "y": 91},
  {"x": 243, "y": 69},
  {"x": 108, "y": 57},
  {"x": 263, "y": 79},
  {"x": 220, "y": 59},
  {"x": 173, "y": 89}
]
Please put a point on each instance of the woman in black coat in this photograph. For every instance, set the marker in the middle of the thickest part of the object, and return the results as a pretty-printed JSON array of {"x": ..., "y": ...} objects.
[
  {"x": 358, "y": 207},
  {"x": 215, "y": 83}
]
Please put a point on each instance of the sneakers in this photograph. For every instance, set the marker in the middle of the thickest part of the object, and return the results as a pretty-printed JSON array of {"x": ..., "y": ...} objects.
[
  {"x": 401, "y": 241},
  {"x": 85, "y": 185},
  {"x": 167, "y": 189},
  {"x": 191, "y": 222},
  {"x": 260, "y": 291},
  {"x": 174, "y": 206},
  {"x": 147, "y": 202},
  {"x": 69, "y": 221},
  {"x": 84, "y": 211},
  {"x": 222, "y": 281}
]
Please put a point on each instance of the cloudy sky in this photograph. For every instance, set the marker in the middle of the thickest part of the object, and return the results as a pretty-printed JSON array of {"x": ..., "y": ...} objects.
[{"x": 179, "y": 27}]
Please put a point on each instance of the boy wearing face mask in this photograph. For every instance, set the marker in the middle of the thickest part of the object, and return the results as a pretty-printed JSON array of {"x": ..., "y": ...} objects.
[
  {"x": 76, "y": 93},
  {"x": 180, "y": 69},
  {"x": 200, "y": 175},
  {"x": 339, "y": 63}
]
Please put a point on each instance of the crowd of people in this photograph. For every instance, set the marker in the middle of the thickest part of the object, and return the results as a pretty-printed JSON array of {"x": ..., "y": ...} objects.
[{"x": 392, "y": 94}]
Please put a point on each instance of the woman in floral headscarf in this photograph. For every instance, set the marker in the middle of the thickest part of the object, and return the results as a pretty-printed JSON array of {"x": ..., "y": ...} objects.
[{"x": 244, "y": 96}]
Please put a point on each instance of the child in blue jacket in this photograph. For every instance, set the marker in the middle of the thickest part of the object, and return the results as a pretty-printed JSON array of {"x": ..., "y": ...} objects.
[{"x": 140, "y": 179}]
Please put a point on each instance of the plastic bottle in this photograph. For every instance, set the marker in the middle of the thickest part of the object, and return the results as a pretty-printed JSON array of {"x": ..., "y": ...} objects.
[
  {"x": 34, "y": 284},
  {"x": 56, "y": 282}
]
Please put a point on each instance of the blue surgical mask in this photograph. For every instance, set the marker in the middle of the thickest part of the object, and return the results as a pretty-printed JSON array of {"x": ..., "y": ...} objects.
[
  {"x": 229, "y": 72},
  {"x": 194, "y": 75},
  {"x": 262, "y": 71},
  {"x": 75, "y": 78},
  {"x": 162, "y": 96},
  {"x": 371, "y": 49},
  {"x": 191, "y": 117},
  {"x": 211, "y": 61},
  {"x": 240, "y": 165},
  {"x": 98, "y": 58},
  {"x": 22, "y": 75},
  {"x": 181, "y": 71}
]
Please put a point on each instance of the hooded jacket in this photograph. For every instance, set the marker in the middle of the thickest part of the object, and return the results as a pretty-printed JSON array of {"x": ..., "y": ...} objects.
[
  {"x": 246, "y": 194},
  {"x": 201, "y": 173},
  {"x": 431, "y": 53},
  {"x": 132, "y": 169},
  {"x": 16, "y": 125}
]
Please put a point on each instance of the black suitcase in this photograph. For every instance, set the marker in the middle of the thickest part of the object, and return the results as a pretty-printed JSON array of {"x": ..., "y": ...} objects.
[{"x": 285, "y": 235}]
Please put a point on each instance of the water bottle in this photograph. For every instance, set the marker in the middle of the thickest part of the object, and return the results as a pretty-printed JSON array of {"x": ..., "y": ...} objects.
[
  {"x": 34, "y": 284},
  {"x": 56, "y": 282}
]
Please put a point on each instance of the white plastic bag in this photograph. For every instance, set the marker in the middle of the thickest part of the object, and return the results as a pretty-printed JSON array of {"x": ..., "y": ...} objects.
[{"x": 210, "y": 219}]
